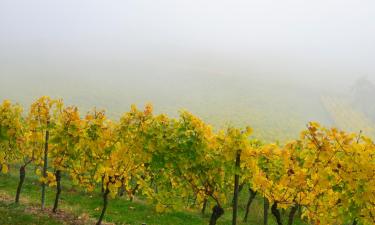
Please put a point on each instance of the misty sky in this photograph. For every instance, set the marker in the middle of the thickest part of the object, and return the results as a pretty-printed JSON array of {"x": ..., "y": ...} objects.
[{"x": 320, "y": 41}]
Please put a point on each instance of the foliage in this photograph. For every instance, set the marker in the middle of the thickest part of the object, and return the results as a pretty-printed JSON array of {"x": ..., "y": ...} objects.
[
  {"x": 183, "y": 163},
  {"x": 11, "y": 134}
]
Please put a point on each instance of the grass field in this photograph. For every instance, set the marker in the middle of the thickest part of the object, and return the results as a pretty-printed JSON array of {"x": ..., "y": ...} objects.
[
  {"x": 12, "y": 214},
  {"x": 83, "y": 208}
]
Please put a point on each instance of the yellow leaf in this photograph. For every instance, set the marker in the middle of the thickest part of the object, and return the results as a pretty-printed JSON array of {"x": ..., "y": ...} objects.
[
  {"x": 4, "y": 168},
  {"x": 160, "y": 208},
  {"x": 118, "y": 184}
]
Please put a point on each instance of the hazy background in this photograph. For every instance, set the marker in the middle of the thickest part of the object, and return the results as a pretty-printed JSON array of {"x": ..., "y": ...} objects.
[{"x": 272, "y": 64}]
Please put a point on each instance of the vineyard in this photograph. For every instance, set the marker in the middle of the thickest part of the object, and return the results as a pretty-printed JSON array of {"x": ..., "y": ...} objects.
[
  {"x": 347, "y": 118},
  {"x": 326, "y": 176}
]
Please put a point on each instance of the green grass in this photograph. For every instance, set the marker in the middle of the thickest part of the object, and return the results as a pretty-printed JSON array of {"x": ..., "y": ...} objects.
[
  {"x": 11, "y": 214},
  {"x": 120, "y": 210}
]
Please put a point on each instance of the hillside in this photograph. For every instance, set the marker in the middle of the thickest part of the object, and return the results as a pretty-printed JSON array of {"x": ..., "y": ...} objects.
[{"x": 277, "y": 111}]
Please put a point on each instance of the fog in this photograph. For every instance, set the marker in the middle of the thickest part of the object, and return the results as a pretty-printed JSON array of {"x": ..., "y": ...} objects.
[{"x": 229, "y": 61}]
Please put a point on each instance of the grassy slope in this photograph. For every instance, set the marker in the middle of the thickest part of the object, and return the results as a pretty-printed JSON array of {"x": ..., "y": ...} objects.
[
  {"x": 10, "y": 214},
  {"x": 120, "y": 211}
]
